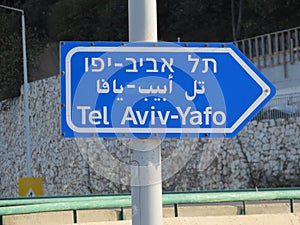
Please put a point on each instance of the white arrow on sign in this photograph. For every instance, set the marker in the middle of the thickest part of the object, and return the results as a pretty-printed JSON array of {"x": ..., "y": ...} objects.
[{"x": 30, "y": 193}]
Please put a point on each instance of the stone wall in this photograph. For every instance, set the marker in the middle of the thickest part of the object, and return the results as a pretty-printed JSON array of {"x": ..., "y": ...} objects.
[{"x": 264, "y": 154}]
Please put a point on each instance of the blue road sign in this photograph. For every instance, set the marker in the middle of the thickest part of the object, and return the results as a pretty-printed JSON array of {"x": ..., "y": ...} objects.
[{"x": 155, "y": 90}]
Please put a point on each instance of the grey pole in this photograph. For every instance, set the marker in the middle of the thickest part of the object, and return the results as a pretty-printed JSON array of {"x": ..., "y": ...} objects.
[
  {"x": 27, "y": 126},
  {"x": 146, "y": 182},
  {"x": 26, "y": 102},
  {"x": 142, "y": 17},
  {"x": 146, "y": 185}
]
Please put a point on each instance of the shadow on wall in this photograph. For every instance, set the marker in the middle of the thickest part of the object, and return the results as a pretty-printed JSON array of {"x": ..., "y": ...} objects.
[{"x": 46, "y": 65}]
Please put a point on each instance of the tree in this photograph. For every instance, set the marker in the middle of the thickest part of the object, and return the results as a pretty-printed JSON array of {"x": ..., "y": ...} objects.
[
  {"x": 88, "y": 20},
  {"x": 194, "y": 20},
  {"x": 10, "y": 55},
  {"x": 103, "y": 20},
  {"x": 11, "y": 58}
]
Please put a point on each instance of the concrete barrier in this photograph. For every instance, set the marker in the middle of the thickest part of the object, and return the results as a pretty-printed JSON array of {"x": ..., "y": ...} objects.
[
  {"x": 270, "y": 219},
  {"x": 84, "y": 216},
  {"x": 200, "y": 211},
  {"x": 274, "y": 208},
  {"x": 49, "y": 218}
]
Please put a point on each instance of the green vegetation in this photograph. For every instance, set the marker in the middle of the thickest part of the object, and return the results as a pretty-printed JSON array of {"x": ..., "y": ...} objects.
[{"x": 50, "y": 21}]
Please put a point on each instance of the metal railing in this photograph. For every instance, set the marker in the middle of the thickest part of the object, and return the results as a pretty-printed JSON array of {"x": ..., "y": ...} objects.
[
  {"x": 73, "y": 203},
  {"x": 282, "y": 106},
  {"x": 272, "y": 49}
]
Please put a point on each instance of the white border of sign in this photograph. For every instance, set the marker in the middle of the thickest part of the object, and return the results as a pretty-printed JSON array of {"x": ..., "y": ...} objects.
[{"x": 259, "y": 81}]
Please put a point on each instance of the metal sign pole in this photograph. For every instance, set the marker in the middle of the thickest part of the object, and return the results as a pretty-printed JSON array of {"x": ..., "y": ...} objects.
[
  {"x": 142, "y": 20},
  {"x": 146, "y": 185},
  {"x": 26, "y": 101},
  {"x": 27, "y": 125}
]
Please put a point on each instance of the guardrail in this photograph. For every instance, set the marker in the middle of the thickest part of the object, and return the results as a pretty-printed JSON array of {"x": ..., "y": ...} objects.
[
  {"x": 14, "y": 206},
  {"x": 283, "y": 106},
  {"x": 272, "y": 49}
]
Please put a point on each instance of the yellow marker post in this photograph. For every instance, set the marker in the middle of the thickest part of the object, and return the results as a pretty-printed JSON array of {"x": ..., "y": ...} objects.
[{"x": 30, "y": 186}]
